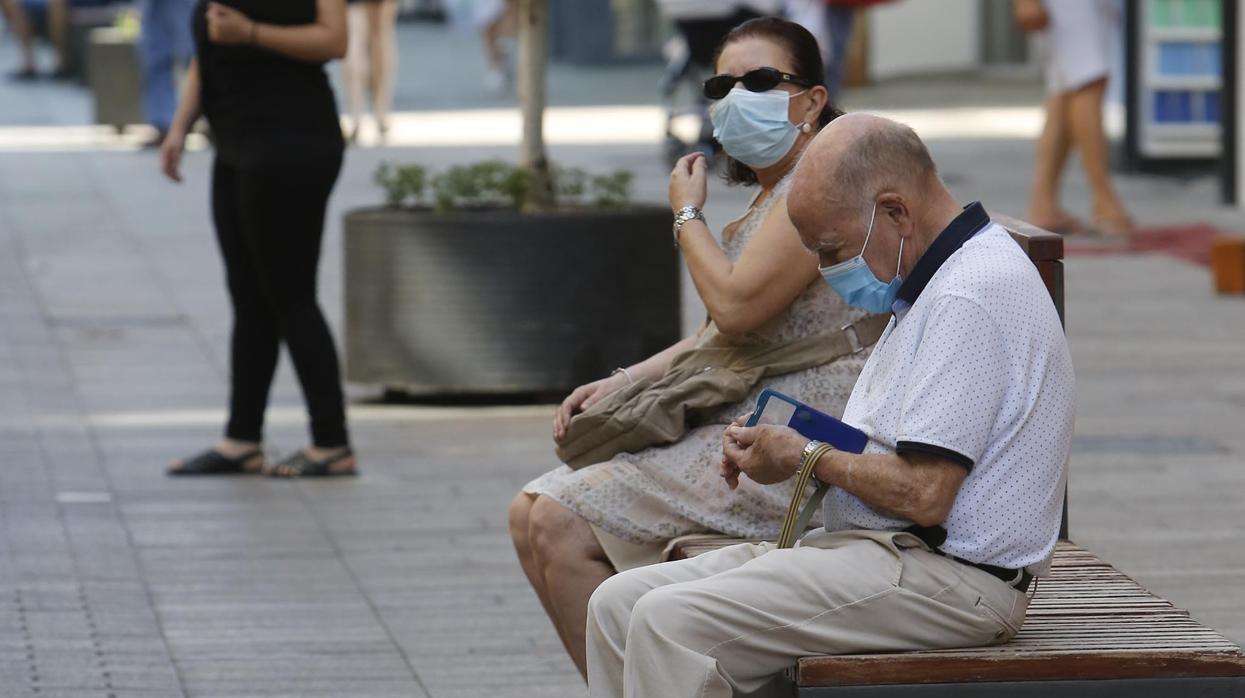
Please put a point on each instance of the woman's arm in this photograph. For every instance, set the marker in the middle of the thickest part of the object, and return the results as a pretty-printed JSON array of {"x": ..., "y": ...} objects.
[
  {"x": 586, "y": 395},
  {"x": 322, "y": 40},
  {"x": 773, "y": 270},
  {"x": 190, "y": 107},
  {"x": 188, "y": 111}
]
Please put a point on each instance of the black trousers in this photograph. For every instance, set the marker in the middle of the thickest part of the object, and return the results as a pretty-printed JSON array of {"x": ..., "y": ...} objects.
[{"x": 269, "y": 221}]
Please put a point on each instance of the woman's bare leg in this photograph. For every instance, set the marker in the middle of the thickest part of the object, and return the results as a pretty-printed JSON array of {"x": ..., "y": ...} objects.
[
  {"x": 573, "y": 565},
  {"x": 58, "y": 32},
  {"x": 1052, "y": 154},
  {"x": 355, "y": 65},
  {"x": 15, "y": 14},
  {"x": 1085, "y": 121},
  {"x": 382, "y": 20},
  {"x": 520, "y": 533}
]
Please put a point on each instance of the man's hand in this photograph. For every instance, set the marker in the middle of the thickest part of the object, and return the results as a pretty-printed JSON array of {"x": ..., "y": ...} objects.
[{"x": 767, "y": 453}]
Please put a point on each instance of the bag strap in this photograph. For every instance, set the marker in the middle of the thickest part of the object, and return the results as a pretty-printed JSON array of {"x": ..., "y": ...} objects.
[{"x": 797, "y": 519}]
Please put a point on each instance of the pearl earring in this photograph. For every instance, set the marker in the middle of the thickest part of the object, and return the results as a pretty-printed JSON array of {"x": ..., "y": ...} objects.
[{"x": 806, "y": 127}]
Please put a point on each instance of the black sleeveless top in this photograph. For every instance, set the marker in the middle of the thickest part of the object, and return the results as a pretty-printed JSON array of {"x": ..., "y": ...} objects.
[{"x": 262, "y": 105}]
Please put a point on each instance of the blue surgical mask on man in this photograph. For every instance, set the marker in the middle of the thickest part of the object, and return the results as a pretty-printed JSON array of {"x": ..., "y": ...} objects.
[
  {"x": 858, "y": 285},
  {"x": 753, "y": 127}
]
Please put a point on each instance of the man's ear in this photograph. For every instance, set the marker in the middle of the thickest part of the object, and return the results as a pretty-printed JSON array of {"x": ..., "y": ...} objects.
[{"x": 893, "y": 206}]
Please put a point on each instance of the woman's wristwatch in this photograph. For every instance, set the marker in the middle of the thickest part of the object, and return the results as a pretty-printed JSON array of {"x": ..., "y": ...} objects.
[{"x": 683, "y": 215}]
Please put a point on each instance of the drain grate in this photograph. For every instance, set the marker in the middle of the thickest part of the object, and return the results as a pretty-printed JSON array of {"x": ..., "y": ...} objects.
[{"x": 38, "y": 679}]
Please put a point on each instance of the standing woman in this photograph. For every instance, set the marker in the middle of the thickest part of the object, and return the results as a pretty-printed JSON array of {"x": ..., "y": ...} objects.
[
  {"x": 371, "y": 61},
  {"x": 259, "y": 79}
]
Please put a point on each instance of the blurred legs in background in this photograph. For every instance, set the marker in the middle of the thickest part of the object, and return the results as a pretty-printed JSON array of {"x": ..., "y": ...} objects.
[
  {"x": 371, "y": 61},
  {"x": 1075, "y": 118},
  {"x": 498, "y": 21},
  {"x": 1080, "y": 37},
  {"x": 19, "y": 26},
  {"x": 24, "y": 32},
  {"x": 839, "y": 21},
  {"x": 165, "y": 43}
]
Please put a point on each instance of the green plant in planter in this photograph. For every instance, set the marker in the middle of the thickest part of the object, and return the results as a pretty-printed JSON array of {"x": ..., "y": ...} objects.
[
  {"x": 496, "y": 184},
  {"x": 613, "y": 191},
  {"x": 401, "y": 184}
]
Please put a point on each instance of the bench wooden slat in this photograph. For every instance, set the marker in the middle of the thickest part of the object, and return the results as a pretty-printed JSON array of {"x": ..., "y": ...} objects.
[{"x": 941, "y": 667}]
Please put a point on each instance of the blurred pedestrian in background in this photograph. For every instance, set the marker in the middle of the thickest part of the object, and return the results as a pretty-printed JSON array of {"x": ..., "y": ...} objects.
[
  {"x": 21, "y": 24},
  {"x": 259, "y": 79},
  {"x": 498, "y": 21},
  {"x": 1080, "y": 38},
  {"x": 371, "y": 61},
  {"x": 832, "y": 22},
  {"x": 165, "y": 44}
]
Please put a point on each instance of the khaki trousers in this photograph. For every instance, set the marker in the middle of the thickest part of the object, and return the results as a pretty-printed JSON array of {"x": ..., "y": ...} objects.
[{"x": 726, "y": 622}]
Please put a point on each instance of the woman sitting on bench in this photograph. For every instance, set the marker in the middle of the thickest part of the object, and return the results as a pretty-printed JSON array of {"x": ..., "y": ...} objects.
[{"x": 574, "y": 528}]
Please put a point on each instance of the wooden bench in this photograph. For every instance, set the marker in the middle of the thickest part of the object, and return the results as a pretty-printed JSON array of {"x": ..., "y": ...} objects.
[{"x": 1090, "y": 632}]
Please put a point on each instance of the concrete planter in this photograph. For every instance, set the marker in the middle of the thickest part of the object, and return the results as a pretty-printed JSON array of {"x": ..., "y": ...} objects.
[
  {"x": 115, "y": 78},
  {"x": 496, "y": 302}
]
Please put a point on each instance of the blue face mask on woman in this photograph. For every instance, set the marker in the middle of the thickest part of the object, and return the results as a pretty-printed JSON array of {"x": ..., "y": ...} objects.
[
  {"x": 858, "y": 285},
  {"x": 753, "y": 127}
]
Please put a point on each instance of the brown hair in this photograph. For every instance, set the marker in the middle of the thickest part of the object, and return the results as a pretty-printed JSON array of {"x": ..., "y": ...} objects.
[{"x": 805, "y": 56}]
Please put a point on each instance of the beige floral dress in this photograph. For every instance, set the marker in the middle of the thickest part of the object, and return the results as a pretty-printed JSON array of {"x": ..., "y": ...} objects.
[{"x": 637, "y": 502}]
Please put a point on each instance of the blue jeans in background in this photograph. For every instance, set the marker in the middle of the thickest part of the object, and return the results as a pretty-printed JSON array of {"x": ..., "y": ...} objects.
[
  {"x": 839, "y": 22},
  {"x": 165, "y": 42}
]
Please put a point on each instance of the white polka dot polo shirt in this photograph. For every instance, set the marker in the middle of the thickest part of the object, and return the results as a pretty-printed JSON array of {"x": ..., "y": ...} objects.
[{"x": 975, "y": 368}]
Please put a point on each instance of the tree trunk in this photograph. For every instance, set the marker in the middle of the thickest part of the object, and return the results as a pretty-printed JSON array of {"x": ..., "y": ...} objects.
[{"x": 533, "y": 56}]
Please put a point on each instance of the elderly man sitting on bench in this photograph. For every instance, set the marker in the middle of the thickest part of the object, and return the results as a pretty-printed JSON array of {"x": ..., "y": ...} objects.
[{"x": 935, "y": 532}]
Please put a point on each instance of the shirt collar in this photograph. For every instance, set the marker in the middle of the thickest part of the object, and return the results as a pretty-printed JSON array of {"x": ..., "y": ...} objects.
[{"x": 963, "y": 227}]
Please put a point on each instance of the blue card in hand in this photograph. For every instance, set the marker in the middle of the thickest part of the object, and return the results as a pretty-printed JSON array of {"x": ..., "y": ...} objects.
[{"x": 775, "y": 408}]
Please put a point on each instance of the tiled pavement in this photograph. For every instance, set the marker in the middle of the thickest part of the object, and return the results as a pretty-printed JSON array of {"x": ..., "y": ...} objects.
[{"x": 117, "y": 581}]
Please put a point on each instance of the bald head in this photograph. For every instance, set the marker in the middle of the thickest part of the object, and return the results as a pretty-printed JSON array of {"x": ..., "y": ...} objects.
[
  {"x": 863, "y": 167},
  {"x": 859, "y": 155}
]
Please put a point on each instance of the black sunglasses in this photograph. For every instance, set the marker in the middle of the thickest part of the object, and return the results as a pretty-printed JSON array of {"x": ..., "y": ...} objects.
[{"x": 758, "y": 80}]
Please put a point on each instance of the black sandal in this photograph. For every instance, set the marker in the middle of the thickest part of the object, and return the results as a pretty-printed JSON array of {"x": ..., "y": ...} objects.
[
  {"x": 212, "y": 462},
  {"x": 299, "y": 465}
]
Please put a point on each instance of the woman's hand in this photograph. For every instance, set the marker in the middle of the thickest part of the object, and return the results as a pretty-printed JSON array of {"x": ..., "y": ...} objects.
[
  {"x": 1031, "y": 15},
  {"x": 689, "y": 182},
  {"x": 226, "y": 25},
  {"x": 171, "y": 149},
  {"x": 729, "y": 471},
  {"x": 582, "y": 398}
]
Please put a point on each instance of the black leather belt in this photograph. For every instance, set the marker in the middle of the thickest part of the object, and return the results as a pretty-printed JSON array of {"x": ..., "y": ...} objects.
[
  {"x": 935, "y": 536},
  {"x": 1016, "y": 579}
]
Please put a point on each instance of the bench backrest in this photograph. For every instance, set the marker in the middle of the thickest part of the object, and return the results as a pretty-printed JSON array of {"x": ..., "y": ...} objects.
[{"x": 1045, "y": 249}]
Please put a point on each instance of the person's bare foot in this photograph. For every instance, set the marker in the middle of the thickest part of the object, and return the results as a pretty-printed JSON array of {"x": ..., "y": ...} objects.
[
  {"x": 1115, "y": 224},
  {"x": 317, "y": 462},
  {"x": 1057, "y": 220}
]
